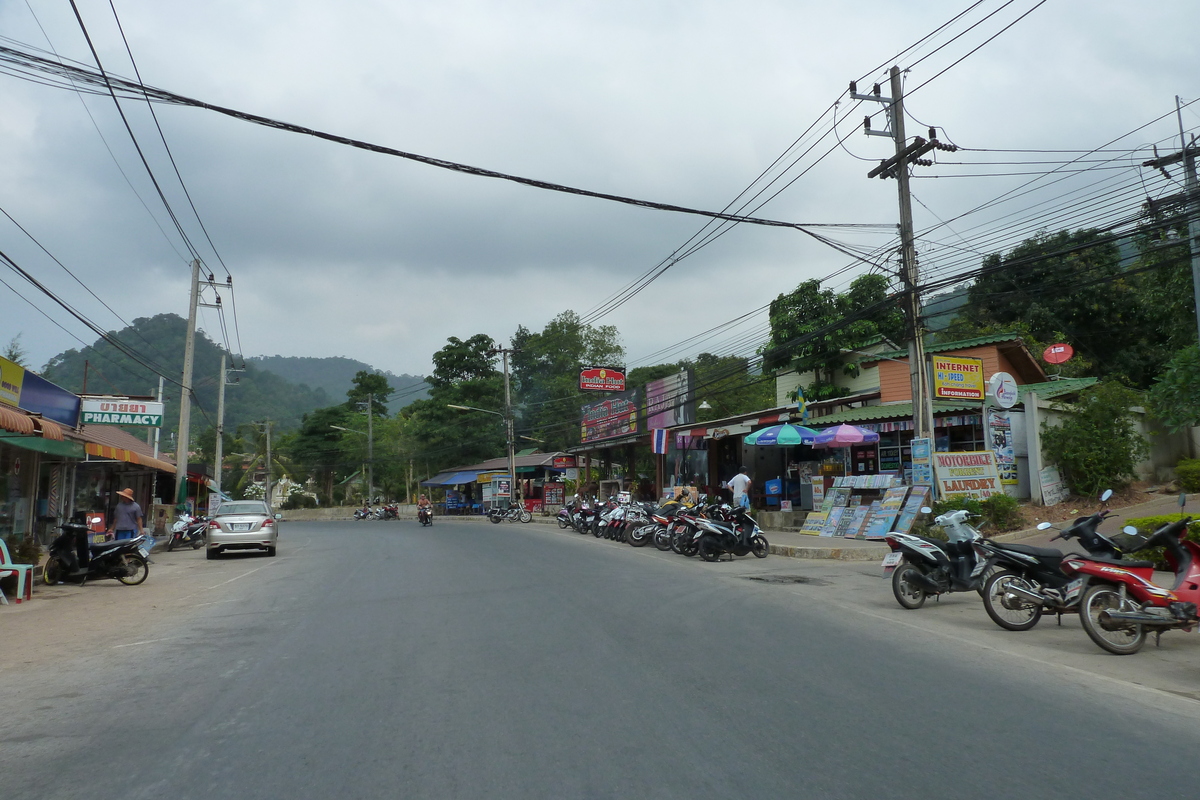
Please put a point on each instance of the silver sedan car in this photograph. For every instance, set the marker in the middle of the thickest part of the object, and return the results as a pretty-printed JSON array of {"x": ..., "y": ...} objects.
[{"x": 243, "y": 525}]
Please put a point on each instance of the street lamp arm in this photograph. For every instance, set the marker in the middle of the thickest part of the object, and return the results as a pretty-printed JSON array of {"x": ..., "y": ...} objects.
[
  {"x": 347, "y": 430},
  {"x": 473, "y": 408}
]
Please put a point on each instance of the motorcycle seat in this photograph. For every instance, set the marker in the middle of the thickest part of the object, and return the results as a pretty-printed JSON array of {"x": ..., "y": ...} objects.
[
  {"x": 1120, "y": 562},
  {"x": 102, "y": 546},
  {"x": 1048, "y": 553}
]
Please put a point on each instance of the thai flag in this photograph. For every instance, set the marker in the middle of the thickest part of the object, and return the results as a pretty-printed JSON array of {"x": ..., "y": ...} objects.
[{"x": 658, "y": 441}]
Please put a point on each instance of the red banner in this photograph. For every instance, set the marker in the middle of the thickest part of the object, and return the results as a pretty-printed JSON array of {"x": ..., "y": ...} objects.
[{"x": 602, "y": 379}]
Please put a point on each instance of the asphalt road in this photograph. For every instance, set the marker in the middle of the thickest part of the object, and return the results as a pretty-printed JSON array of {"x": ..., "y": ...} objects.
[{"x": 477, "y": 661}]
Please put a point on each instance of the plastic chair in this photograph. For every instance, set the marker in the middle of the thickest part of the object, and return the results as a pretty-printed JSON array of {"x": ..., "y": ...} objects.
[{"x": 24, "y": 573}]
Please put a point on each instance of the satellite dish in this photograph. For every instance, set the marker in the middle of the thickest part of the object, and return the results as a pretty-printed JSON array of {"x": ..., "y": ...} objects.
[{"x": 1058, "y": 353}]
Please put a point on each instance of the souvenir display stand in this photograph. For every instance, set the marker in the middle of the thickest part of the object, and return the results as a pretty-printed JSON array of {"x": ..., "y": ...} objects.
[{"x": 867, "y": 507}]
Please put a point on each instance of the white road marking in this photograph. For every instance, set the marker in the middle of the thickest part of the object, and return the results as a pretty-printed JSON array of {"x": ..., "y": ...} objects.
[{"x": 148, "y": 641}]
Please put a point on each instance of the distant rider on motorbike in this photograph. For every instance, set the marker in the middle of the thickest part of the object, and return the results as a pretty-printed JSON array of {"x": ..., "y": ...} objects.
[{"x": 424, "y": 506}]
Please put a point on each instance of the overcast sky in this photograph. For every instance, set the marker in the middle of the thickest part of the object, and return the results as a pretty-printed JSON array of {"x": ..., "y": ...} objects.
[{"x": 336, "y": 251}]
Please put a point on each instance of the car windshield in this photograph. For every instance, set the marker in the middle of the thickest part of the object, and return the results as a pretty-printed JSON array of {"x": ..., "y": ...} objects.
[{"x": 242, "y": 508}]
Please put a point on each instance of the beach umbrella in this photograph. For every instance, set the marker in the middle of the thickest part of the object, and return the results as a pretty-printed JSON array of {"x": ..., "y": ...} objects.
[
  {"x": 845, "y": 436},
  {"x": 783, "y": 435}
]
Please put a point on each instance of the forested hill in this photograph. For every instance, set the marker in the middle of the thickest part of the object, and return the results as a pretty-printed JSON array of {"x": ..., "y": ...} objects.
[
  {"x": 159, "y": 340},
  {"x": 335, "y": 375}
]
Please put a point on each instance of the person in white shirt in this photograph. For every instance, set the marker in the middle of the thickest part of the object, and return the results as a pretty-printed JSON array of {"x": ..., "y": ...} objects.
[{"x": 740, "y": 486}]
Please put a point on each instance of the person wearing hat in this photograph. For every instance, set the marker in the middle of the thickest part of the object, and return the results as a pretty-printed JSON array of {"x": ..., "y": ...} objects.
[{"x": 127, "y": 516}]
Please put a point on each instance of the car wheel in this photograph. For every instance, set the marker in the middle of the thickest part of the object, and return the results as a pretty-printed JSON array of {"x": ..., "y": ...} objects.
[
  {"x": 211, "y": 553},
  {"x": 270, "y": 552}
]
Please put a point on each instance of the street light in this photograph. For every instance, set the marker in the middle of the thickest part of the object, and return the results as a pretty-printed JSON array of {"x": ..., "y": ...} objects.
[
  {"x": 370, "y": 434},
  {"x": 508, "y": 430}
]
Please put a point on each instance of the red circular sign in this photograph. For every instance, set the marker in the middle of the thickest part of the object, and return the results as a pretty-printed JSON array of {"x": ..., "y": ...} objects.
[{"x": 1058, "y": 353}]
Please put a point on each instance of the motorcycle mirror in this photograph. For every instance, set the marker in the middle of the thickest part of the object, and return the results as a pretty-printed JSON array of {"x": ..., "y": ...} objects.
[
  {"x": 1107, "y": 494},
  {"x": 926, "y": 510},
  {"x": 1129, "y": 530},
  {"x": 1182, "y": 499},
  {"x": 1044, "y": 526}
]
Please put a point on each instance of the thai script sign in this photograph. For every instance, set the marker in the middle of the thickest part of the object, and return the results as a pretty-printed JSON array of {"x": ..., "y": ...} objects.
[
  {"x": 612, "y": 416},
  {"x": 121, "y": 411},
  {"x": 956, "y": 378},
  {"x": 967, "y": 474},
  {"x": 602, "y": 379}
]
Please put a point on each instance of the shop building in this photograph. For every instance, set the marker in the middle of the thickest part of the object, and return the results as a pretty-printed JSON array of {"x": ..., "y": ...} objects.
[{"x": 474, "y": 488}]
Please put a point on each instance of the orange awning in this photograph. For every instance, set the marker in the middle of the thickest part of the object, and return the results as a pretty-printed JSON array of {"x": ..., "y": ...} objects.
[
  {"x": 15, "y": 421},
  {"x": 50, "y": 428},
  {"x": 128, "y": 456}
]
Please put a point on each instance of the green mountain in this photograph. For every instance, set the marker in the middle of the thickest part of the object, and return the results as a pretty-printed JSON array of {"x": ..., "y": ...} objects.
[
  {"x": 335, "y": 374},
  {"x": 159, "y": 341}
]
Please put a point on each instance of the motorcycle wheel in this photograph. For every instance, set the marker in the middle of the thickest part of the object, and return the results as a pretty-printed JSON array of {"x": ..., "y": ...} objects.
[
  {"x": 494, "y": 518},
  {"x": 135, "y": 569},
  {"x": 689, "y": 547},
  {"x": 1021, "y": 618},
  {"x": 562, "y": 524},
  {"x": 171, "y": 543},
  {"x": 596, "y": 531},
  {"x": 641, "y": 536},
  {"x": 708, "y": 549},
  {"x": 198, "y": 542},
  {"x": 677, "y": 541},
  {"x": 760, "y": 546},
  {"x": 53, "y": 571},
  {"x": 1098, "y": 599},
  {"x": 662, "y": 539},
  {"x": 908, "y": 594},
  {"x": 526, "y": 515}
]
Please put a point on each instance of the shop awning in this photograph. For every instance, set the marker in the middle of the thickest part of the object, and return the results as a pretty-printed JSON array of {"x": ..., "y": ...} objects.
[
  {"x": 128, "y": 456},
  {"x": 451, "y": 478},
  {"x": 15, "y": 421},
  {"x": 49, "y": 428},
  {"x": 47, "y": 446},
  {"x": 733, "y": 426}
]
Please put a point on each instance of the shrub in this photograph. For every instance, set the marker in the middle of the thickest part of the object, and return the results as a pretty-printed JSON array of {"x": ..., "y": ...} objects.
[
  {"x": 1097, "y": 445},
  {"x": 1147, "y": 526},
  {"x": 298, "y": 500},
  {"x": 1188, "y": 473},
  {"x": 1002, "y": 512}
]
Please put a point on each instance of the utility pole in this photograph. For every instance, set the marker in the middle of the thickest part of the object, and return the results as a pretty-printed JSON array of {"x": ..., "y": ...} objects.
[
  {"x": 370, "y": 446},
  {"x": 267, "y": 491},
  {"x": 185, "y": 393},
  {"x": 897, "y": 167},
  {"x": 157, "y": 436},
  {"x": 219, "y": 449},
  {"x": 508, "y": 429}
]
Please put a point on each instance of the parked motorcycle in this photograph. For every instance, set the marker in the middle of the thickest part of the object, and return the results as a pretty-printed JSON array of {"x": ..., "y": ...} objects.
[
  {"x": 513, "y": 513},
  {"x": 729, "y": 531},
  {"x": 122, "y": 559},
  {"x": 1029, "y": 581},
  {"x": 188, "y": 530},
  {"x": 1121, "y": 603},
  {"x": 922, "y": 566},
  {"x": 425, "y": 516},
  {"x": 364, "y": 513}
]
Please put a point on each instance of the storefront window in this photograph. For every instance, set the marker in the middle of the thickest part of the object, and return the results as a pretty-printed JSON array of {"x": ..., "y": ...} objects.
[{"x": 16, "y": 487}]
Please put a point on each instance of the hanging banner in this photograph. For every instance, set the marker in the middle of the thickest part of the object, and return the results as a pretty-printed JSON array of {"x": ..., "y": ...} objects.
[
  {"x": 602, "y": 379},
  {"x": 1002, "y": 445},
  {"x": 121, "y": 411},
  {"x": 610, "y": 417},
  {"x": 669, "y": 401},
  {"x": 967, "y": 474},
  {"x": 922, "y": 462},
  {"x": 956, "y": 378}
]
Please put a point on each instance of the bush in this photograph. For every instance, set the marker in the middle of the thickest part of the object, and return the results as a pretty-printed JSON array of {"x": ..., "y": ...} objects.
[
  {"x": 1147, "y": 526},
  {"x": 298, "y": 500},
  {"x": 1188, "y": 473},
  {"x": 1097, "y": 446},
  {"x": 999, "y": 512}
]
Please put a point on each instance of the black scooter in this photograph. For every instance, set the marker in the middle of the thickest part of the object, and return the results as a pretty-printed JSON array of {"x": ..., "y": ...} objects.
[
  {"x": 122, "y": 559},
  {"x": 736, "y": 535},
  {"x": 425, "y": 516}
]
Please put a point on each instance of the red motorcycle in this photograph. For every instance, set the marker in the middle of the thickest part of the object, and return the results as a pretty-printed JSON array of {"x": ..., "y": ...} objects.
[{"x": 1121, "y": 603}]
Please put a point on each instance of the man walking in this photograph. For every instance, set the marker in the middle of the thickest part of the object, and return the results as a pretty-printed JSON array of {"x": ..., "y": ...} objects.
[
  {"x": 740, "y": 486},
  {"x": 127, "y": 516}
]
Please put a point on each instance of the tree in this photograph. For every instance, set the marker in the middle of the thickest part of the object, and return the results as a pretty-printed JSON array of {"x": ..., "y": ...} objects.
[
  {"x": 373, "y": 385},
  {"x": 1097, "y": 445},
  {"x": 1175, "y": 395},
  {"x": 15, "y": 353},
  {"x": 730, "y": 387},
  {"x": 811, "y": 328}
]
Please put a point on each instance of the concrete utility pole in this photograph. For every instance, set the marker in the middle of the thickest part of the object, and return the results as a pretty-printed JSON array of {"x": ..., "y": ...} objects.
[
  {"x": 157, "y": 436},
  {"x": 370, "y": 446},
  {"x": 185, "y": 393},
  {"x": 508, "y": 429},
  {"x": 897, "y": 167},
  {"x": 219, "y": 450},
  {"x": 268, "y": 477}
]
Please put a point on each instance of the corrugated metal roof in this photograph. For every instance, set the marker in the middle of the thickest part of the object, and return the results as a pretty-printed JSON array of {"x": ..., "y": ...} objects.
[
  {"x": 961, "y": 344},
  {"x": 883, "y": 412},
  {"x": 1051, "y": 389}
]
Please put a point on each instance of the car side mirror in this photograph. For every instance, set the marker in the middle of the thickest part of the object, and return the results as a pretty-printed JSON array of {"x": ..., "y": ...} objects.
[
  {"x": 279, "y": 516},
  {"x": 926, "y": 510},
  {"x": 1044, "y": 526}
]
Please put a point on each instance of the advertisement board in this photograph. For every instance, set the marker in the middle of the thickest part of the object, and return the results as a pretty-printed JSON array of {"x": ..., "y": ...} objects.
[
  {"x": 670, "y": 401},
  {"x": 1000, "y": 427},
  {"x": 957, "y": 378},
  {"x": 12, "y": 375},
  {"x": 969, "y": 473},
  {"x": 610, "y": 417},
  {"x": 120, "y": 411},
  {"x": 40, "y": 396},
  {"x": 564, "y": 462},
  {"x": 922, "y": 462},
  {"x": 602, "y": 379}
]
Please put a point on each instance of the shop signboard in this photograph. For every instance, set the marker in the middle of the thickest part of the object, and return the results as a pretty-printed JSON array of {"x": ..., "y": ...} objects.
[
  {"x": 670, "y": 401},
  {"x": 922, "y": 462},
  {"x": 120, "y": 411},
  {"x": 613, "y": 416},
  {"x": 970, "y": 473},
  {"x": 1054, "y": 489},
  {"x": 1002, "y": 390},
  {"x": 957, "y": 378},
  {"x": 12, "y": 376},
  {"x": 602, "y": 379},
  {"x": 552, "y": 494},
  {"x": 1000, "y": 427},
  {"x": 564, "y": 462}
]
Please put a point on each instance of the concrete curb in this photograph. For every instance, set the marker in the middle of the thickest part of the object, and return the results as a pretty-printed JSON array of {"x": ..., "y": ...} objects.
[{"x": 829, "y": 553}]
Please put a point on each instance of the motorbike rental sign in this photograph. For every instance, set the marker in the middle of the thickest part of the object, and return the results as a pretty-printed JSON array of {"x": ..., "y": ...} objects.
[
  {"x": 958, "y": 378},
  {"x": 602, "y": 379},
  {"x": 969, "y": 473},
  {"x": 120, "y": 411}
]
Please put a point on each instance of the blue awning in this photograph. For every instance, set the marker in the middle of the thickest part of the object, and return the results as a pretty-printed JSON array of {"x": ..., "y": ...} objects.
[{"x": 451, "y": 478}]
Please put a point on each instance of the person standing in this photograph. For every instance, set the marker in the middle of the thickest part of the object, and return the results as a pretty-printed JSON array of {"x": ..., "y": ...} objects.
[
  {"x": 127, "y": 517},
  {"x": 740, "y": 486}
]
